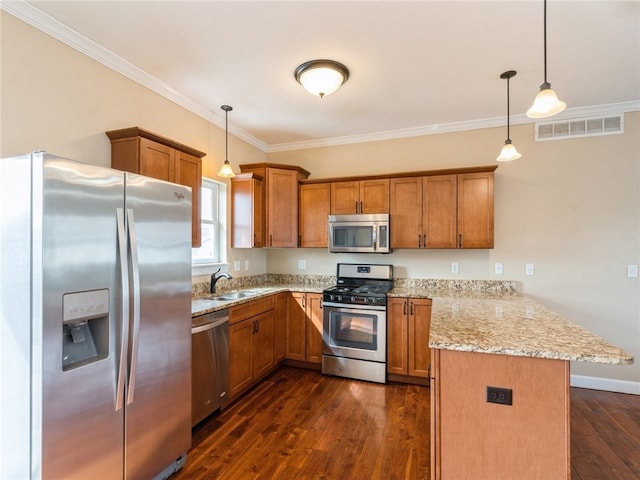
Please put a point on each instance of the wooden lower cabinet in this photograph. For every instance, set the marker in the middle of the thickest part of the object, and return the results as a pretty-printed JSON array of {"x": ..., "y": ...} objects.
[
  {"x": 408, "y": 322},
  {"x": 304, "y": 327},
  {"x": 473, "y": 438},
  {"x": 251, "y": 343}
]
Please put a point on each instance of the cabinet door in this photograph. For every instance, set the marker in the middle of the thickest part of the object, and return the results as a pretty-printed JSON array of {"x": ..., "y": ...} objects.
[
  {"x": 188, "y": 171},
  {"x": 439, "y": 207},
  {"x": 315, "y": 202},
  {"x": 344, "y": 198},
  {"x": 296, "y": 327},
  {"x": 280, "y": 327},
  {"x": 406, "y": 212},
  {"x": 374, "y": 196},
  {"x": 262, "y": 344},
  {"x": 475, "y": 210},
  {"x": 313, "y": 309},
  {"x": 247, "y": 211},
  {"x": 282, "y": 208},
  {"x": 157, "y": 161},
  {"x": 419, "y": 323},
  {"x": 397, "y": 336},
  {"x": 240, "y": 356}
]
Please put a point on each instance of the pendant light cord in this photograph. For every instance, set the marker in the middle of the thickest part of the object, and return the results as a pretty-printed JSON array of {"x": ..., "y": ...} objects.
[
  {"x": 545, "y": 41},
  {"x": 508, "y": 134},
  {"x": 226, "y": 135}
]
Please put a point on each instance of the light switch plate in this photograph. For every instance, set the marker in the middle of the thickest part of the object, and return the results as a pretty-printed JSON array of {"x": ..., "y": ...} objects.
[
  {"x": 529, "y": 269},
  {"x": 455, "y": 267},
  {"x": 236, "y": 265},
  {"x": 498, "y": 269},
  {"x": 632, "y": 270},
  {"x": 302, "y": 264}
]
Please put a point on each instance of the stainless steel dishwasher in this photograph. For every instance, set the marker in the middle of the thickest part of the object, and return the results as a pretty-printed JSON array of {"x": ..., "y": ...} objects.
[{"x": 210, "y": 364}]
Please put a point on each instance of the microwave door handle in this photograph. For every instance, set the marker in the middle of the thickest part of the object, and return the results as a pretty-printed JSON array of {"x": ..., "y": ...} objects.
[{"x": 375, "y": 236}]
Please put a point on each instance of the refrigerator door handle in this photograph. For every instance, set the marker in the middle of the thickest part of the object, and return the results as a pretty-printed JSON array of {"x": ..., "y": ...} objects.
[
  {"x": 124, "y": 332},
  {"x": 135, "y": 274}
]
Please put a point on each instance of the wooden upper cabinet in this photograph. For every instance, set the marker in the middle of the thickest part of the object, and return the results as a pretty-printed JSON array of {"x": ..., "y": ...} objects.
[
  {"x": 423, "y": 212},
  {"x": 315, "y": 200},
  {"x": 139, "y": 151},
  {"x": 280, "y": 201},
  {"x": 475, "y": 210},
  {"x": 247, "y": 211},
  {"x": 442, "y": 211},
  {"x": 364, "y": 196}
]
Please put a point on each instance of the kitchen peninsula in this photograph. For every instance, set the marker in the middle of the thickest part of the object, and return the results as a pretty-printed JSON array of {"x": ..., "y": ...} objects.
[{"x": 499, "y": 375}]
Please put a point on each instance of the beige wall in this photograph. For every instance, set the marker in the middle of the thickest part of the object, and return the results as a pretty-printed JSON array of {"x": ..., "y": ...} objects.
[{"x": 570, "y": 207}]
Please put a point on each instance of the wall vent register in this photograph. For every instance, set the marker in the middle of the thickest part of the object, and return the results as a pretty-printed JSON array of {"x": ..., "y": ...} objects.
[{"x": 580, "y": 127}]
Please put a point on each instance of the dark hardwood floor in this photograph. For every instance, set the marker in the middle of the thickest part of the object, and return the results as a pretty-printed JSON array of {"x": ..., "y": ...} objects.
[{"x": 300, "y": 424}]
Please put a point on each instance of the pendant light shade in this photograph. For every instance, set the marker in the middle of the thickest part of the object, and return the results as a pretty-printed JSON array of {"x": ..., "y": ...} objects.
[
  {"x": 226, "y": 171},
  {"x": 509, "y": 151},
  {"x": 546, "y": 102},
  {"x": 321, "y": 77}
]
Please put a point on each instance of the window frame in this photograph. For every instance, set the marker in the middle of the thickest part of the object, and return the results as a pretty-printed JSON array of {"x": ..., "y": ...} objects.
[{"x": 210, "y": 265}]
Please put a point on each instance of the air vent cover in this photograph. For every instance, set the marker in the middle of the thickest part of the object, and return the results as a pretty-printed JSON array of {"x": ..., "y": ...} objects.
[{"x": 580, "y": 127}]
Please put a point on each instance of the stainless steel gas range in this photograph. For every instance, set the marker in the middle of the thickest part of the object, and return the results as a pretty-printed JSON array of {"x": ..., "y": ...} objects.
[{"x": 355, "y": 322}]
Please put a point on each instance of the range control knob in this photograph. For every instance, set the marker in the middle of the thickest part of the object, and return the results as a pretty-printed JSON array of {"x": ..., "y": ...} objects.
[
  {"x": 353, "y": 299},
  {"x": 339, "y": 298}
]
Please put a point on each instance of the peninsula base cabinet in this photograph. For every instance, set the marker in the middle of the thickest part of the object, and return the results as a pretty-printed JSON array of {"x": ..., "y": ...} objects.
[
  {"x": 304, "y": 327},
  {"x": 472, "y": 437},
  {"x": 251, "y": 343},
  {"x": 408, "y": 353}
]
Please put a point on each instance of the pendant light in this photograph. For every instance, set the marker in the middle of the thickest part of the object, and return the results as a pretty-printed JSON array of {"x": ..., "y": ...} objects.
[
  {"x": 226, "y": 171},
  {"x": 546, "y": 102},
  {"x": 321, "y": 77},
  {"x": 509, "y": 151}
]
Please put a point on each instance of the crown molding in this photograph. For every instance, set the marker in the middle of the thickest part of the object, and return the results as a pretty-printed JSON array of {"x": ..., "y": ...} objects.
[{"x": 49, "y": 25}]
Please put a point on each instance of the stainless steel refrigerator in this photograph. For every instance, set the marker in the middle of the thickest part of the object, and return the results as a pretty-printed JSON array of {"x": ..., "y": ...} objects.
[{"x": 95, "y": 288}]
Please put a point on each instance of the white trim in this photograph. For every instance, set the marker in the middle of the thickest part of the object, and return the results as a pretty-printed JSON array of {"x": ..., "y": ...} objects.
[
  {"x": 47, "y": 24},
  {"x": 608, "y": 384},
  {"x": 198, "y": 269}
]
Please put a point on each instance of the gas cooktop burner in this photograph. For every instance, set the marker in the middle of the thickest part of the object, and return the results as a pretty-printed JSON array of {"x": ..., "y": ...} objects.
[{"x": 361, "y": 284}]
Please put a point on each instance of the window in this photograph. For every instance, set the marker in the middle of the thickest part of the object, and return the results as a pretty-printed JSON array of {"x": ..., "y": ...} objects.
[{"x": 212, "y": 251}]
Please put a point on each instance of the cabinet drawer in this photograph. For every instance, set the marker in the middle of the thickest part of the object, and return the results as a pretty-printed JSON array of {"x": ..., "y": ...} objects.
[{"x": 250, "y": 309}]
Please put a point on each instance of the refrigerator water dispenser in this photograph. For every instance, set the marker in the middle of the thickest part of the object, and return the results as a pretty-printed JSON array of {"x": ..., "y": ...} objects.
[{"x": 85, "y": 327}]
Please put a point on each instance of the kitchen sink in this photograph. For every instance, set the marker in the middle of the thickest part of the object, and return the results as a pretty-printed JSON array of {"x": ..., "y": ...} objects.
[{"x": 227, "y": 297}]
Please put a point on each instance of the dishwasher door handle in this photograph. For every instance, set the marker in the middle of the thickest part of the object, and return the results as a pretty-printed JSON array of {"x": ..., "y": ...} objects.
[{"x": 209, "y": 326}]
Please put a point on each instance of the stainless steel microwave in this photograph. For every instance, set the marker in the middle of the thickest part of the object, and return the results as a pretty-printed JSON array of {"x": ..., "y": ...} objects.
[{"x": 365, "y": 233}]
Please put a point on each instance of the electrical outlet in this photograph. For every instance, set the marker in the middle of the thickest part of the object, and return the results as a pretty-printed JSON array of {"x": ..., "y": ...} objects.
[
  {"x": 498, "y": 311},
  {"x": 236, "y": 265},
  {"x": 302, "y": 264},
  {"x": 498, "y": 269},
  {"x": 529, "y": 269},
  {"x": 246, "y": 264},
  {"x": 529, "y": 311},
  {"x": 503, "y": 396},
  {"x": 455, "y": 267},
  {"x": 632, "y": 271}
]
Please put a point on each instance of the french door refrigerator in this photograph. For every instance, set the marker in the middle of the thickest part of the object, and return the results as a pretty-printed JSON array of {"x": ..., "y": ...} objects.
[{"x": 95, "y": 289}]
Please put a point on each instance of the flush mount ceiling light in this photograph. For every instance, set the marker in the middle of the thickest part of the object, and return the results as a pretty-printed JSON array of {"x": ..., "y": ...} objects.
[
  {"x": 546, "y": 102},
  {"x": 509, "y": 151},
  {"x": 226, "y": 171},
  {"x": 321, "y": 77}
]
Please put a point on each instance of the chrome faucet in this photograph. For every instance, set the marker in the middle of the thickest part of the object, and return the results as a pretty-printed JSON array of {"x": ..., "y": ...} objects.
[{"x": 215, "y": 277}]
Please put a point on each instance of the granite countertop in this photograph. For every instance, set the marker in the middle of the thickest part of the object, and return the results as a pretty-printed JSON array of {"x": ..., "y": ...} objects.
[
  {"x": 509, "y": 323},
  {"x": 204, "y": 304},
  {"x": 466, "y": 315}
]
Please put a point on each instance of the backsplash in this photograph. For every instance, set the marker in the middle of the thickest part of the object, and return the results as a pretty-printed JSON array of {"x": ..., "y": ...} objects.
[{"x": 225, "y": 285}]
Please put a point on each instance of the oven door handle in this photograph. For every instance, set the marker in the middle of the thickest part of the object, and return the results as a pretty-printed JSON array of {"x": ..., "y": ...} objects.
[{"x": 355, "y": 307}]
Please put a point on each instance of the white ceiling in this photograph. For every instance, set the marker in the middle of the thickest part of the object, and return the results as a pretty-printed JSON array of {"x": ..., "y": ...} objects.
[{"x": 416, "y": 66}]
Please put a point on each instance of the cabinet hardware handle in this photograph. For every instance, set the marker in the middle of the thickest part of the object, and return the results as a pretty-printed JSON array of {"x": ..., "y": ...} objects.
[
  {"x": 411, "y": 308},
  {"x": 424, "y": 240},
  {"x": 361, "y": 208},
  {"x": 460, "y": 240},
  {"x": 419, "y": 240},
  {"x": 270, "y": 240},
  {"x": 356, "y": 207},
  {"x": 404, "y": 307}
]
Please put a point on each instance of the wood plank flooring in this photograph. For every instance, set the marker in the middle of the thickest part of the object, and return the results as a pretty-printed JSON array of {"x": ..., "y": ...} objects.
[{"x": 300, "y": 424}]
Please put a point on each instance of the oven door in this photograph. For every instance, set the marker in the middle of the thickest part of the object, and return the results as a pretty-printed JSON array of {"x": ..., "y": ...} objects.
[{"x": 358, "y": 332}]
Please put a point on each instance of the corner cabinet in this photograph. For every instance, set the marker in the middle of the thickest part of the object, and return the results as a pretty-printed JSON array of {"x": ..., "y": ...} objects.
[
  {"x": 139, "y": 151},
  {"x": 408, "y": 353},
  {"x": 280, "y": 200},
  {"x": 314, "y": 211}
]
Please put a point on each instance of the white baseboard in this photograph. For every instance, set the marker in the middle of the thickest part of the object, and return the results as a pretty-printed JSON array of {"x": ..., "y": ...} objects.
[{"x": 608, "y": 384}]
